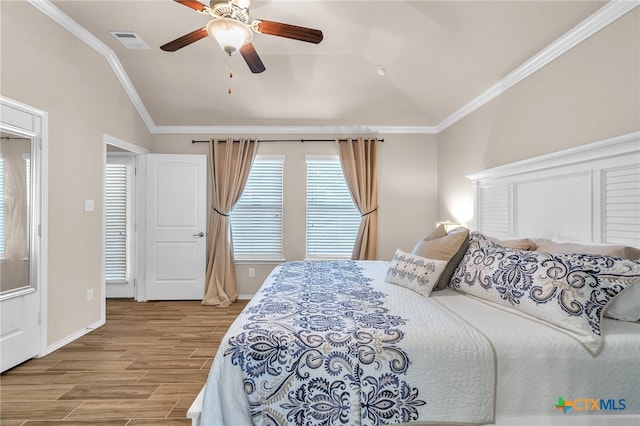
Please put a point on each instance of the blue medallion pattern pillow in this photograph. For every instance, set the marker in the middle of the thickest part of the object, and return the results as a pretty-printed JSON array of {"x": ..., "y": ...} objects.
[
  {"x": 569, "y": 291},
  {"x": 415, "y": 272}
]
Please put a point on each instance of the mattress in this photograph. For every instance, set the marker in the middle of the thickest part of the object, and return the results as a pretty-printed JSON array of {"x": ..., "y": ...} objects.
[
  {"x": 538, "y": 366},
  {"x": 452, "y": 358}
]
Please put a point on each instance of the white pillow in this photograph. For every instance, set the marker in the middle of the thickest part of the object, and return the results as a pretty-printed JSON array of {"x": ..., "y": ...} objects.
[
  {"x": 569, "y": 291},
  {"x": 415, "y": 272},
  {"x": 625, "y": 307}
]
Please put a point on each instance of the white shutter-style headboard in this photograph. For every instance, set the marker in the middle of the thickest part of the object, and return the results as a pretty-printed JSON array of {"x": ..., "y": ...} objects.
[{"x": 589, "y": 194}]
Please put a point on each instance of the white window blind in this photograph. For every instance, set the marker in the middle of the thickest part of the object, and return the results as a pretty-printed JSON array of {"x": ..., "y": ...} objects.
[
  {"x": 332, "y": 217},
  {"x": 256, "y": 219},
  {"x": 116, "y": 214}
]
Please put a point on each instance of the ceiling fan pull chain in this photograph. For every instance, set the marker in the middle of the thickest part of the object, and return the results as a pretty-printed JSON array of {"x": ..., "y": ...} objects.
[{"x": 230, "y": 75}]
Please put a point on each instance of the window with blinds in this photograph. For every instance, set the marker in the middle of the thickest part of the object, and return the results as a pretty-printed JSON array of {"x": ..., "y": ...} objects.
[
  {"x": 117, "y": 208},
  {"x": 332, "y": 217},
  {"x": 256, "y": 219}
]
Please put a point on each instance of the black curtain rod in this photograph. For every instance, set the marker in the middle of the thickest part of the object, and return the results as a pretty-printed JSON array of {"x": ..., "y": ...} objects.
[{"x": 287, "y": 140}]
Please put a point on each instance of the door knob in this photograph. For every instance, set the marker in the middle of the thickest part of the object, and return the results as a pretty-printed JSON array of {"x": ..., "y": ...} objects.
[{"x": 201, "y": 234}]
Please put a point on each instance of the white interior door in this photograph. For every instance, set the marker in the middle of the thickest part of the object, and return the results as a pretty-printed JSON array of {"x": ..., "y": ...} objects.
[
  {"x": 21, "y": 255},
  {"x": 176, "y": 226}
]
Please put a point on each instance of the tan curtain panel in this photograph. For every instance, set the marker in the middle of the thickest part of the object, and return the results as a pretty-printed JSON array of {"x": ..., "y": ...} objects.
[
  {"x": 230, "y": 162},
  {"x": 359, "y": 159}
]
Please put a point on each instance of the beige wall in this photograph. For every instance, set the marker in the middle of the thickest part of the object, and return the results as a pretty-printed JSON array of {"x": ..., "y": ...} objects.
[
  {"x": 589, "y": 94},
  {"x": 52, "y": 70},
  {"x": 407, "y": 192},
  {"x": 48, "y": 68}
]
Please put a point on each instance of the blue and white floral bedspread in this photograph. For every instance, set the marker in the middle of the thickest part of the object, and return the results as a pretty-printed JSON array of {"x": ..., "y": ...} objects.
[{"x": 329, "y": 342}]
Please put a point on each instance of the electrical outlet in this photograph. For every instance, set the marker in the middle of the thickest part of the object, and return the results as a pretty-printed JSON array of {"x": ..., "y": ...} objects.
[
  {"x": 89, "y": 295},
  {"x": 252, "y": 272}
]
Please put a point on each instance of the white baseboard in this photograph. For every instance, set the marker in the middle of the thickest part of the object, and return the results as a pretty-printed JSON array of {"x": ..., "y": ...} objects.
[
  {"x": 65, "y": 341},
  {"x": 245, "y": 296}
]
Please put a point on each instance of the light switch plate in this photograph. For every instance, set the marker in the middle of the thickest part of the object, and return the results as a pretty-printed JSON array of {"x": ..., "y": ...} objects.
[{"x": 89, "y": 205}]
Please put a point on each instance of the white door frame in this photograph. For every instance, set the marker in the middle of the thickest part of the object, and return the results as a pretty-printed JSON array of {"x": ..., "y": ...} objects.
[
  {"x": 31, "y": 122},
  {"x": 139, "y": 216}
]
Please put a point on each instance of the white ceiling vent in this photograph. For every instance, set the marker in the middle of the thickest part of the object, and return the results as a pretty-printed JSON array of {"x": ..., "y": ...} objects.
[{"x": 130, "y": 39}]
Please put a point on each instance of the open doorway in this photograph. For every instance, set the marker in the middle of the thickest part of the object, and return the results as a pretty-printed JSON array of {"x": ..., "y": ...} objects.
[{"x": 123, "y": 213}]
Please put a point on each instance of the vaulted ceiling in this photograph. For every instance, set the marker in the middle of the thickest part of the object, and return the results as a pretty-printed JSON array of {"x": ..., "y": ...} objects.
[{"x": 440, "y": 56}]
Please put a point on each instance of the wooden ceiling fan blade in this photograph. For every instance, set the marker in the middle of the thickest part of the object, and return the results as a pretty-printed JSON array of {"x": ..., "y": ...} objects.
[
  {"x": 185, "y": 40},
  {"x": 252, "y": 59},
  {"x": 193, "y": 4},
  {"x": 279, "y": 29}
]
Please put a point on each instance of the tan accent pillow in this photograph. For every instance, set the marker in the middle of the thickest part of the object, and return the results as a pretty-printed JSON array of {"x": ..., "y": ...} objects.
[
  {"x": 439, "y": 232},
  {"x": 450, "y": 247},
  {"x": 518, "y": 244},
  {"x": 553, "y": 247}
]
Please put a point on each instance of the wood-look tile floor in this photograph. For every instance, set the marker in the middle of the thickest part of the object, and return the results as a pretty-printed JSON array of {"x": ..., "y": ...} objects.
[{"x": 145, "y": 366}]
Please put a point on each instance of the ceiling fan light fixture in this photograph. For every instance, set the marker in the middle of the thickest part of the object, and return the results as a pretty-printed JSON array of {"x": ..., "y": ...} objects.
[
  {"x": 230, "y": 34},
  {"x": 242, "y": 4}
]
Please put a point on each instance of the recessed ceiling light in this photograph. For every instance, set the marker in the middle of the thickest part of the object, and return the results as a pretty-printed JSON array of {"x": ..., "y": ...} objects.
[{"x": 382, "y": 70}]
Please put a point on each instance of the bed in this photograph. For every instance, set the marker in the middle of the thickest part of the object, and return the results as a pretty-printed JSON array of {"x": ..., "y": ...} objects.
[{"x": 465, "y": 339}]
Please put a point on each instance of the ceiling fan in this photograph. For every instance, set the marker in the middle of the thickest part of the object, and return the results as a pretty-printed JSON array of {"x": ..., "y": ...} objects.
[{"x": 231, "y": 28}]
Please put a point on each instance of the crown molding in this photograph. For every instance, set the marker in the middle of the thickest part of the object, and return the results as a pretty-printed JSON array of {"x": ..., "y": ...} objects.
[
  {"x": 422, "y": 130},
  {"x": 46, "y": 7},
  {"x": 594, "y": 23},
  {"x": 291, "y": 130}
]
